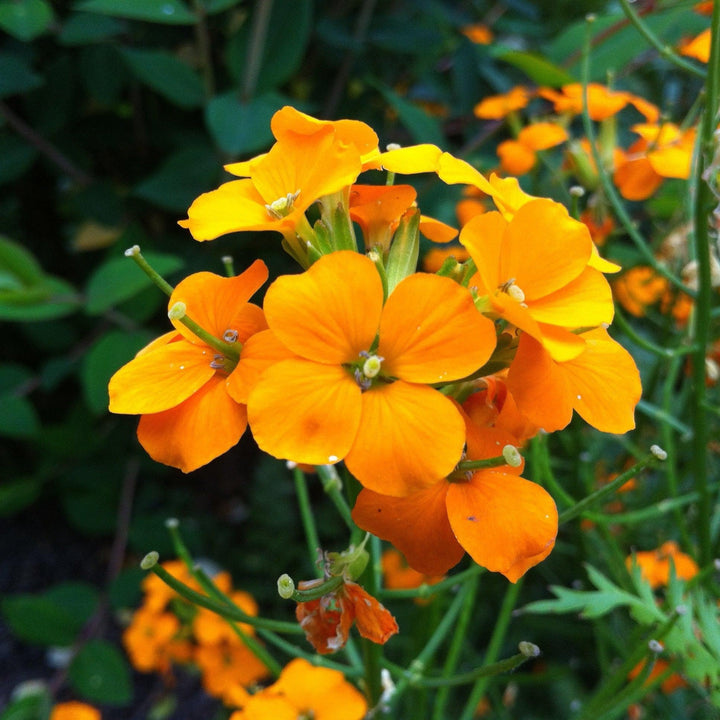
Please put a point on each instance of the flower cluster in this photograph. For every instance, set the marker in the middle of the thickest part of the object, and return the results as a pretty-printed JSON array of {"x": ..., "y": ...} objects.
[
  {"x": 167, "y": 630},
  {"x": 416, "y": 381}
]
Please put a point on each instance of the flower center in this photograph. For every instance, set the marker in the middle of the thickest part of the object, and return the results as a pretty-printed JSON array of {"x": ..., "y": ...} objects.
[
  {"x": 223, "y": 362},
  {"x": 365, "y": 372},
  {"x": 283, "y": 206},
  {"x": 513, "y": 290}
]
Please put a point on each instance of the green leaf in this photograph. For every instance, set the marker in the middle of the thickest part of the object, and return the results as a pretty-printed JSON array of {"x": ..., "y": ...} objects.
[
  {"x": 53, "y": 298},
  {"x": 30, "y": 707},
  {"x": 120, "y": 279},
  {"x": 17, "y": 494},
  {"x": 536, "y": 67},
  {"x": 104, "y": 74},
  {"x": 16, "y": 76},
  {"x": 242, "y": 127},
  {"x": 422, "y": 127},
  {"x": 17, "y": 157},
  {"x": 103, "y": 359},
  {"x": 168, "y": 12},
  {"x": 216, "y": 6},
  {"x": 163, "y": 72},
  {"x": 181, "y": 178},
  {"x": 37, "y": 619},
  {"x": 101, "y": 674},
  {"x": 78, "y": 599},
  {"x": 84, "y": 28},
  {"x": 25, "y": 20},
  {"x": 18, "y": 267},
  {"x": 283, "y": 52}
]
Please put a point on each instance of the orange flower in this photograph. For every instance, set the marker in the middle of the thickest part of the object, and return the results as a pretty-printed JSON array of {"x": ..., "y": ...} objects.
[
  {"x": 478, "y": 33},
  {"x": 210, "y": 629},
  {"x": 148, "y": 637},
  {"x": 599, "y": 227},
  {"x": 281, "y": 185},
  {"x": 305, "y": 691},
  {"x": 434, "y": 258},
  {"x": 655, "y": 564},
  {"x": 506, "y": 523},
  {"x": 671, "y": 683},
  {"x": 545, "y": 287},
  {"x": 378, "y": 209},
  {"x": 327, "y": 620},
  {"x": 698, "y": 47},
  {"x": 601, "y": 384},
  {"x": 496, "y": 107},
  {"x": 349, "y": 395},
  {"x": 602, "y": 102},
  {"x": 519, "y": 156},
  {"x": 181, "y": 386},
  {"x": 398, "y": 575},
  {"x": 228, "y": 668},
  {"x": 663, "y": 151},
  {"x": 639, "y": 288},
  {"x": 74, "y": 711}
]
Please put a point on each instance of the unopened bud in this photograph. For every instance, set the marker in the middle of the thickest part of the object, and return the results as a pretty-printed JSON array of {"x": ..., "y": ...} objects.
[
  {"x": 392, "y": 146},
  {"x": 658, "y": 452},
  {"x": 285, "y": 586},
  {"x": 577, "y": 191},
  {"x": 177, "y": 311},
  {"x": 132, "y": 251},
  {"x": 656, "y": 647},
  {"x": 512, "y": 456},
  {"x": 150, "y": 560},
  {"x": 528, "y": 649},
  {"x": 172, "y": 523}
]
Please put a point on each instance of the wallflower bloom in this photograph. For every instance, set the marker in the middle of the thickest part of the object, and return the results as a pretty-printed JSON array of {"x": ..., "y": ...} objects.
[
  {"x": 655, "y": 564},
  {"x": 698, "y": 47},
  {"x": 304, "y": 691},
  {"x": 639, "y": 288},
  {"x": 74, "y": 711},
  {"x": 544, "y": 287},
  {"x": 602, "y": 102},
  {"x": 496, "y": 107},
  {"x": 519, "y": 156},
  {"x": 327, "y": 620},
  {"x": 148, "y": 638},
  {"x": 506, "y": 523},
  {"x": 478, "y": 33},
  {"x": 183, "y": 388},
  {"x": 348, "y": 395}
]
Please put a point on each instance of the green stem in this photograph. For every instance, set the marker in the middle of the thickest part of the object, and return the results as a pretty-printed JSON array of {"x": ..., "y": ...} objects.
[
  {"x": 704, "y": 202},
  {"x": 665, "y": 50},
  {"x": 496, "y": 641},
  {"x": 466, "y": 465},
  {"x": 135, "y": 254},
  {"x": 621, "y": 322},
  {"x": 425, "y": 591},
  {"x": 332, "y": 485},
  {"x": 373, "y": 652},
  {"x": 486, "y": 671},
  {"x": 540, "y": 459},
  {"x": 308, "y": 519},
  {"x": 231, "y": 351},
  {"x": 256, "y": 49}
]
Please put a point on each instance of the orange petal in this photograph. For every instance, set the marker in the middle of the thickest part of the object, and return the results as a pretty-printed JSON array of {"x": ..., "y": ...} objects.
[
  {"x": 160, "y": 379},
  {"x": 326, "y": 629},
  {"x": 671, "y": 162},
  {"x": 483, "y": 238},
  {"x": 583, "y": 302},
  {"x": 540, "y": 390},
  {"x": 506, "y": 523},
  {"x": 408, "y": 437},
  {"x": 435, "y": 230},
  {"x": 636, "y": 179},
  {"x": 261, "y": 351},
  {"x": 374, "y": 622},
  {"x": 218, "y": 304},
  {"x": 329, "y": 313},
  {"x": 543, "y": 249},
  {"x": 600, "y": 263},
  {"x": 516, "y": 158},
  {"x": 507, "y": 195},
  {"x": 430, "y": 331},
  {"x": 452, "y": 170},
  {"x": 542, "y": 135},
  {"x": 305, "y": 412},
  {"x": 417, "y": 525},
  {"x": 195, "y": 432},
  {"x": 412, "y": 159},
  {"x": 605, "y": 383}
]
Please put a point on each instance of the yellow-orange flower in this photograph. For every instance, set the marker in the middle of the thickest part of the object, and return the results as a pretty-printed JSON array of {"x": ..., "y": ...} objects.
[
  {"x": 398, "y": 575},
  {"x": 655, "y": 564},
  {"x": 305, "y": 691},
  {"x": 698, "y": 47},
  {"x": 327, "y": 620},
  {"x": 74, "y": 711},
  {"x": 601, "y": 384},
  {"x": 535, "y": 273},
  {"x": 210, "y": 629},
  {"x": 478, "y": 33},
  {"x": 496, "y": 107},
  {"x": 639, "y": 288},
  {"x": 359, "y": 387},
  {"x": 148, "y": 638},
  {"x": 602, "y": 102},
  {"x": 183, "y": 388},
  {"x": 227, "y": 668},
  {"x": 506, "y": 523},
  {"x": 519, "y": 156}
]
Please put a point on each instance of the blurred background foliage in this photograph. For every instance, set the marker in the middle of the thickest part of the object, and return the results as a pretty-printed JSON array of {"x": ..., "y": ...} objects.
[{"x": 114, "y": 116}]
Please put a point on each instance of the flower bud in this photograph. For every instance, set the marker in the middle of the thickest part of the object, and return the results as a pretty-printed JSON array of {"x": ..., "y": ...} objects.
[
  {"x": 150, "y": 560},
  {"x": 528, "y": 649},
  {"x": 658, "y": 452}
]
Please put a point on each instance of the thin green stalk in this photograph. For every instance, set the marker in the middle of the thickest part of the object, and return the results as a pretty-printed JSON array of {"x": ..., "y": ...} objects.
[
  {"x": 486, "y": 671},
  {"x": 704, "y": 202},
  {"x": 158, "y": 280},
  {"x": 308, "y": 519},
  {"x": 621, "y": 322},
  {"x": 607, "y": 184},
  {"x": 496, "y": 641},
  {"x": 256, "y": 49},
  {"x": 425, "y": 591},
  {"x": 540, "y": 464},
  {"x": 665, "y": 50},
  {"x": 373, "y": 652},
  {"x": 456, "y": 645},
  {"x": 649, "y": 513},
  {"x": 332, "y": 485}
]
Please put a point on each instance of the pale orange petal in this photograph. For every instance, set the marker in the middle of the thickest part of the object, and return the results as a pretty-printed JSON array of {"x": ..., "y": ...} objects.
[
  {"x": 195, "y": 432},
  {"x": 452, "y": 170},
  {"x": 305, "y": 412},
  {"x": 430, "y": 331},
  {"x": 506, "y": 523},
  {"x": 161, "y": 379},
  {"x": 408, "y": 437},
  {"x": 329, "y": 313},
  {"x": 435, "y": 230},
  {"x": 412, "y": 159},
  {"x": 417, "y": 525},
  {"x": 516, "y": 158},
  {"x": 542, "y": 135}
]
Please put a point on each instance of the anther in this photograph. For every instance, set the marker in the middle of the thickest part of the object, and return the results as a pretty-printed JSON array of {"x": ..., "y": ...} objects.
[
  {"x": 371, "y": 366},
  {"x": 218, "y": 362},
  {"x": 230, "y": 336},
  {"x": 283, "y": 206}
]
